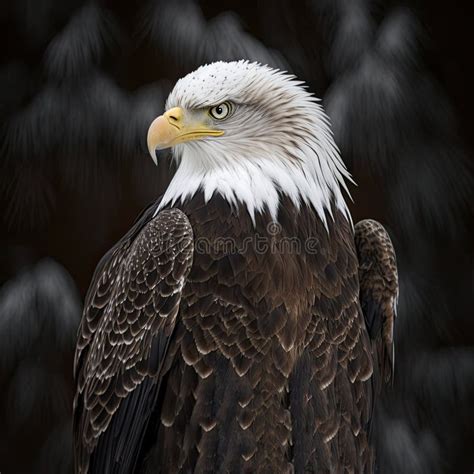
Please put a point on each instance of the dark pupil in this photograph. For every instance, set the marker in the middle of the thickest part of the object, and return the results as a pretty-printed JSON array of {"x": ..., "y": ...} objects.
[{"x": 219, "y": 109}]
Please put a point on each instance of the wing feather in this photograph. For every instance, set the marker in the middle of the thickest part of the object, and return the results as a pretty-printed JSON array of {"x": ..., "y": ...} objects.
[
  {"x": 378, "y": 289},
  {"x": 129, "y": 318}
]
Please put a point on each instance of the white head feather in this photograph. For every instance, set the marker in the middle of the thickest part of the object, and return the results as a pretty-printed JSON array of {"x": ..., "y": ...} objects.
[{"x": 277, "y": 141}]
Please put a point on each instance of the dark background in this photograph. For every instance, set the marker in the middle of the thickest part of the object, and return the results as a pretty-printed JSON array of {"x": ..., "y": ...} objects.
[{"x": 81, "y": 81}]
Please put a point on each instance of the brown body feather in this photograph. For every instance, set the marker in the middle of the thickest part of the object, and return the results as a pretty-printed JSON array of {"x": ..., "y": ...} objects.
[{"x": 267, "y": 365}]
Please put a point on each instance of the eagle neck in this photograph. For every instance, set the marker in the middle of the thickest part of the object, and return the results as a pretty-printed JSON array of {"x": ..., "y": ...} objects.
[{"x": 257, "y": 182}]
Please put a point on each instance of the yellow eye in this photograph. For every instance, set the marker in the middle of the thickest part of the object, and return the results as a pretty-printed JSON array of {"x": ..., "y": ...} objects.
[{"x": 220, "y": 111}]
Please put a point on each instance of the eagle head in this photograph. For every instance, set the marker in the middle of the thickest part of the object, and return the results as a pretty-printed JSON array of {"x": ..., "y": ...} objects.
[{"x": 250, "y": 133}]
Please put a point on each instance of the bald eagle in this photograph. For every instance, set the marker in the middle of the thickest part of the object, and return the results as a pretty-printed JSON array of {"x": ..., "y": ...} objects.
[{"x": 243, "y": 324}]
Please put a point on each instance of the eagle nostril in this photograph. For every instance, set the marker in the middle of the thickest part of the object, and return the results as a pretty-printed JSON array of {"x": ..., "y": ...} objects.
[{"x": 173, "y": 118}]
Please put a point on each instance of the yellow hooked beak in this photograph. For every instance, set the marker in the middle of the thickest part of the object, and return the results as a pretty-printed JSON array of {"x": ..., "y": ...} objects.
[{"x": 171, "y": 128}]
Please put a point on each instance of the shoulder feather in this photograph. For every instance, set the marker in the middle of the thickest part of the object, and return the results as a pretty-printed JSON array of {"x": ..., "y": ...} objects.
[
  {"x": 378, "y": 278},
  {"x": 128, "y": 321}
]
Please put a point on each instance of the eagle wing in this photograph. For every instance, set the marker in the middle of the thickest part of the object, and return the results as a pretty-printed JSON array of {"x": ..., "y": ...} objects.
[
  {"x": 378, "y": 279},
  {"x": 128, "y": 321}
]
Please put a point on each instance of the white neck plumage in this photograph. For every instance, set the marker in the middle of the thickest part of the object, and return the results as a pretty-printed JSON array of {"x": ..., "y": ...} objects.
[{"x": 310, "y": 175}]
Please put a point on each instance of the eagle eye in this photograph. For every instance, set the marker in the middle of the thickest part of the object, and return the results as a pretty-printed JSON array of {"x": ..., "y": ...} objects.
[{"x": 221, "y": 111}]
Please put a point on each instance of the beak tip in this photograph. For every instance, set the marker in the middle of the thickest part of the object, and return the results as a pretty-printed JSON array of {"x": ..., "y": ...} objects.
[
  {"x": 153, "y": 139},
  {"x": 152, "y": 150}
]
